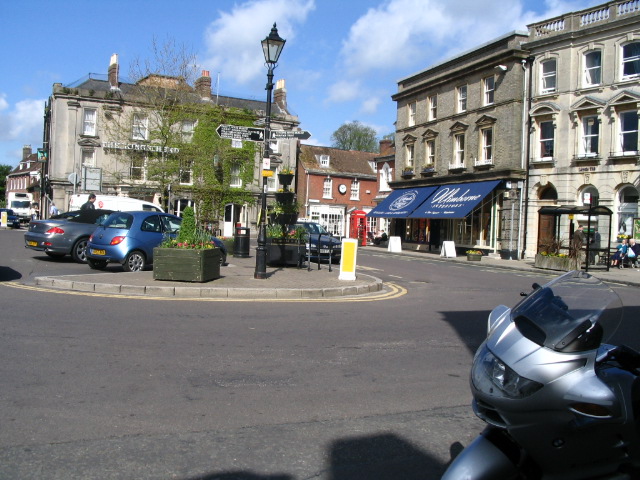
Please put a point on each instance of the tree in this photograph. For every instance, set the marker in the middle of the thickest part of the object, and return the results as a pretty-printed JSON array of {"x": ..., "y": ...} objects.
[
  {"x": 166, "y": 111},
  {"x": 4, "y": 171},
  {"x": 355, "y": 136}
]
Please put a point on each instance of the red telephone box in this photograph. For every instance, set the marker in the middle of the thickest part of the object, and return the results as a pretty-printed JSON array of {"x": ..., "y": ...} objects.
[{"x": 359, "y": 226}]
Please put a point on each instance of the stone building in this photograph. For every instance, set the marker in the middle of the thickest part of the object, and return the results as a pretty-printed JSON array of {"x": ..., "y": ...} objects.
[
  {"x": 585, "y": 98},
  {"x": 459, "y": 162},
  {"x": 334, "y": 185},
  {"x": 107, "y": 136}
]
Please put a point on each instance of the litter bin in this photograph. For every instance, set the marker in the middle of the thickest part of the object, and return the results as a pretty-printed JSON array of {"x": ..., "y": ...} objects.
[{"x": 241, "y": 243}]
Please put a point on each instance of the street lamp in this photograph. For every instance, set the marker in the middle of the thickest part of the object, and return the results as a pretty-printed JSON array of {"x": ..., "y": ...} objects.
[{"x": 272, "y": 47}]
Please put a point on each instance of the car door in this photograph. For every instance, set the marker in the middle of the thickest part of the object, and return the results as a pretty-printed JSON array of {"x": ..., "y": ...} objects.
[{"x": 151, "y": 233}]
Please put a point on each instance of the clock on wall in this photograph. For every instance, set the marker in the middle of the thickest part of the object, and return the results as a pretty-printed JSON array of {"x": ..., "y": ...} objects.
[{"x": 342, "y": 188}]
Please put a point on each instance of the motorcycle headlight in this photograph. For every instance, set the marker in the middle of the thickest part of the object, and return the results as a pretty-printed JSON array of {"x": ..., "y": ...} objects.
[{"x": 491, "y": 375}]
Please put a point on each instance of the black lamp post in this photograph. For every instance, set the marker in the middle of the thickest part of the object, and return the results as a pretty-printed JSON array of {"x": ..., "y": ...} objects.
[{"x": 272, "y": 47}]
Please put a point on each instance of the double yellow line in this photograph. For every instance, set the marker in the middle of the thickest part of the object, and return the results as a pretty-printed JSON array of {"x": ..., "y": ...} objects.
[{"x": 390, "y": 291}]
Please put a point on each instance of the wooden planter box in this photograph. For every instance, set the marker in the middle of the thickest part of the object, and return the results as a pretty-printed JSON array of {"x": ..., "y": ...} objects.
[
  {"x": 473, "y": 257},
  {"x": 280, "y": 252},
  {"x": 183, "y": 265},
  {"x": 564, "y": 264}
]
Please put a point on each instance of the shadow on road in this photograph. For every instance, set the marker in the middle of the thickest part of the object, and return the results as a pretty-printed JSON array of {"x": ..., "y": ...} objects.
[
  {"x": 380, "y": 457},
  {"x": 8, "y": 274}
]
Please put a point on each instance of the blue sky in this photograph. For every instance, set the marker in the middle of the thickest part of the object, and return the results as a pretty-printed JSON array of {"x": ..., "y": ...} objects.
[{"x": 341, "y": 62}]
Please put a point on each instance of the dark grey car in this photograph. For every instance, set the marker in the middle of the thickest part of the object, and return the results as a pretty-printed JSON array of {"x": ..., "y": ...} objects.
[{"x": 64, "y": 236}]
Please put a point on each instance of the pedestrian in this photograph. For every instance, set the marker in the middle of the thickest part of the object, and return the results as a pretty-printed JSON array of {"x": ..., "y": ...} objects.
[
  {"x": 576, "y": 244},
  {"x": 53, "y": 210},
  {"x": 595, "y": 246},
  {"x": 89, "y": 204},
  {"x": 33, "y": 211}
]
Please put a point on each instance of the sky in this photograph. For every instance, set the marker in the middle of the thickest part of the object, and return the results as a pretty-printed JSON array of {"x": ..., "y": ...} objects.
[{"x": 341, "y": 62}]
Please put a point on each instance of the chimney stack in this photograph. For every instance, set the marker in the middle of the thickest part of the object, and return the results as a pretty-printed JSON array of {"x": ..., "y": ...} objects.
[
  {"x": 26, "y": 152},
  {"x": 113, "y": 72},
  {"x": 203, "y": 85},
  {"x": 386, "y": 147},
  {"x": 280, "y": 96}
]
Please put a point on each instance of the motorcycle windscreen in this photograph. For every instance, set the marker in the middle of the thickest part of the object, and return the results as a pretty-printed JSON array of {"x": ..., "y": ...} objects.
[{"x": 575, "y": 312}]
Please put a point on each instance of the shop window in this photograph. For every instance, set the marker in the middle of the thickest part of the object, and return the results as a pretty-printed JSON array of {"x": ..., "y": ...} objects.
[{"x": 627, "y": 209}]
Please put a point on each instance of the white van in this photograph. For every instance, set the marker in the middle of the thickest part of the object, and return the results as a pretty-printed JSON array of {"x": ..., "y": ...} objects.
[{"x": 113, "y": 202}]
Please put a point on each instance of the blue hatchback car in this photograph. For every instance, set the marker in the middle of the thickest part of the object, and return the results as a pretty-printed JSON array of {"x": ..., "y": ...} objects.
[{"x": 128, "y": 238}]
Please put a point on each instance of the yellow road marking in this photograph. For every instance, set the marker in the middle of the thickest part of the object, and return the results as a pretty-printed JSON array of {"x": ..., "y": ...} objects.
[{"x": 391, "y": 291}]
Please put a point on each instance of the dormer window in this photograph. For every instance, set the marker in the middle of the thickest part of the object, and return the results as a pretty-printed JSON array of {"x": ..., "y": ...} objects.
[{"x": 324, "y": 161}]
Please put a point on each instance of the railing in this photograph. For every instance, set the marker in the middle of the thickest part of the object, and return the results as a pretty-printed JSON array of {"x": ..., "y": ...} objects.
[
  {"x": 594, "y": 16},
  {"x": 609, "y": 12}
]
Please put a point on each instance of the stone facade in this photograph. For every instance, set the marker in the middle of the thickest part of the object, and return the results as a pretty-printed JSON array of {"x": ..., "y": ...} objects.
[
  {"x": 584, "y": 119},
  {"x": 460, "y": 122},
  {"x": 81, "y": 140}
]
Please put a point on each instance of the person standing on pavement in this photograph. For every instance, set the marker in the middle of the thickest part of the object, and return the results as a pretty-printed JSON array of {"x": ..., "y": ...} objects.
[
  {"x": 577, "y": 243},
  {"x": 89, "y": 204},
  {"x": 594, "y": 247},
  {"x": 53, "y": 210}
]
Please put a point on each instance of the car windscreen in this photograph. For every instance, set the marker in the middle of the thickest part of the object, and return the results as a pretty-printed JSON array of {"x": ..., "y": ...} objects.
[
  {"x": 122, "y": 220},
  {"x": 9, "y": 212}
]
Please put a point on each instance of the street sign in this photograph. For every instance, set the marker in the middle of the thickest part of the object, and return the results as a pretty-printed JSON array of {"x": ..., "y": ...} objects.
[
  {"x": 238, "y": 132},
  {"x": 280, "y": 134}
]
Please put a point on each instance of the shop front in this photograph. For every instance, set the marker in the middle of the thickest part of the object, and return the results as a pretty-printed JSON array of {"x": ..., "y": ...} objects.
[{"x": 466, "y": 213}]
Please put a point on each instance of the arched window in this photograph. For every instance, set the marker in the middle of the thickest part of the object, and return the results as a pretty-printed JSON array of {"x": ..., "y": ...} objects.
[
  {"x": 627, "y": 209},
  {"x": 548, "y": 193},
  {"x": 589, "y": 195}
]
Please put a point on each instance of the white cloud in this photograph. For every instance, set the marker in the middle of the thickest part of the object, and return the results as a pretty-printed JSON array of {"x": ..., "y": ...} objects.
[
  {"x": 370, "y": 105},
  {"x": 24, "y": 123},
  {"x": 344, "y": 91},
  {"x": 233, "y": 40}
]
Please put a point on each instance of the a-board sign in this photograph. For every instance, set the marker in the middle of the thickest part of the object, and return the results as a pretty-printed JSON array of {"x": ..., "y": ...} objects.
[{"x": 448, "y": 249}]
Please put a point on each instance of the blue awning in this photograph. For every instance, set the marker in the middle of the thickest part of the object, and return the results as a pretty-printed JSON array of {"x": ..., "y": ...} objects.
[
  {"x": 454, "y": 201},
  {"x": 400, "y": 203}
]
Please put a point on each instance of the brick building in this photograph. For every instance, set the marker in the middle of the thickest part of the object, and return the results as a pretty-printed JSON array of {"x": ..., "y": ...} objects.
[{"x": 332, "y": 184}]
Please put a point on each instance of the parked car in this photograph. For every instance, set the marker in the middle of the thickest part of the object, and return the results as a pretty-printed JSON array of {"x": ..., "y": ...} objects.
[
  {"x": 318, "y": 235},
  {"x": 13, "y": 220},
  {"x": 128, "y": 238},
  {"x": 64, "y": 236}
]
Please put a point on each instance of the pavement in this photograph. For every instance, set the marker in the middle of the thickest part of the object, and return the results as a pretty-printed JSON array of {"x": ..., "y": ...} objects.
[{"x": 237, "y": 279}]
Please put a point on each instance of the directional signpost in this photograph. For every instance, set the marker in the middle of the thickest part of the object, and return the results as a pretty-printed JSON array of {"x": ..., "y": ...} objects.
[
  {"x": 238, "y": 132},
  {"x": 280, "y": 134}
]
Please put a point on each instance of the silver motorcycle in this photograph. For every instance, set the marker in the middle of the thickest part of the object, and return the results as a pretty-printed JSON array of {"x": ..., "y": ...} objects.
[{"x": 560, "y": 403}]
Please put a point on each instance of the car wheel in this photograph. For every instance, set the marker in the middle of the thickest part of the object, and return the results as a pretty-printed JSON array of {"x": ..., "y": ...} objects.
[
  {"x": 135, "y": 262},
  {"x": 97, "y": 264},
  {"x": 55, "y": 255},
  {"x": 79, "y": 251}
]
